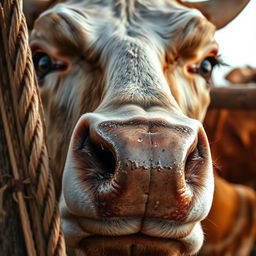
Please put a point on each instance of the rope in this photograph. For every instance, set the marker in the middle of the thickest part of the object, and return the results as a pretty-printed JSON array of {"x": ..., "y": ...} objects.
[
  {"x": 20, "y": 106},
  {"x": 20, "y": 198}
]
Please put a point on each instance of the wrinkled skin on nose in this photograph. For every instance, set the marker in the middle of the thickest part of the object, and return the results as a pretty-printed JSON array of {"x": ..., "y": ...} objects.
[{"x": 138, "y": 167}]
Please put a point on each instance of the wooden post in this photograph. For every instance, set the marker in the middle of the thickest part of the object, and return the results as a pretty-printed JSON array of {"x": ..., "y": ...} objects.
[{"x": 234, "y": 97}]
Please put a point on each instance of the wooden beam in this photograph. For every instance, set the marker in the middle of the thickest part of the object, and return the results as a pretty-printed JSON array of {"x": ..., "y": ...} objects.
[{"x": 234, "y": 97}]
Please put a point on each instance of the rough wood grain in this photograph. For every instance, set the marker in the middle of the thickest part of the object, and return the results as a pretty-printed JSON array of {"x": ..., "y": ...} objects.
[{"x": 234, "y": 97}]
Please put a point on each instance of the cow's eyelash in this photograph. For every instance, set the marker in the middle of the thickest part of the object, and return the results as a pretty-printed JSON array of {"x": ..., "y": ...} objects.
[
  {"x": 220, "y": 61},
  {"x": 213, "y": 60}
]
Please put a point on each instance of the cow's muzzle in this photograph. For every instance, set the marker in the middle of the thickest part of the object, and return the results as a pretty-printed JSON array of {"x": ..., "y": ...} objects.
[
  {"x": 136, "y": 168},
  {"x": 141, "y": 182}
]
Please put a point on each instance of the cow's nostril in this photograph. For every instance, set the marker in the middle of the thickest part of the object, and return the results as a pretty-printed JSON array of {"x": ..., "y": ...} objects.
[
  {"x": 103, "y": 156},
  {"x": 94, "y": 158},
  {"x": 194, "y": 163}
]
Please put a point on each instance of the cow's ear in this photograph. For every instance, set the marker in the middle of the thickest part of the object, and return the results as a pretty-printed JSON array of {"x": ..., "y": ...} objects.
[
  {"x": 219, "y": 12},
  {"x": 33, "y": 8}
]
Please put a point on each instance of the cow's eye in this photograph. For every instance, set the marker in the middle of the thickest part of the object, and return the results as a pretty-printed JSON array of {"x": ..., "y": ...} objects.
[
  {"x": 206, "y": 67},
  {"x": 44, "y": 64}
]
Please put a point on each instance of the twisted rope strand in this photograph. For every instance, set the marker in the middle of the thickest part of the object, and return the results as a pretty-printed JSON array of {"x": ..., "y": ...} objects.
[{"x": 28, "y": 236}]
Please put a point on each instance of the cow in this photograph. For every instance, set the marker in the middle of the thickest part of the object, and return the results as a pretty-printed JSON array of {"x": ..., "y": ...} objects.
[
  {"x": 230, "y": 227},
  {"x": 231, "y": 134},
  {"x": 125, "y": 87}
]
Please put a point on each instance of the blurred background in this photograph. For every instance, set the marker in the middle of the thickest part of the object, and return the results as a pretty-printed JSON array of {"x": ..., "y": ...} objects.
[{"x": 237, "y": 43}]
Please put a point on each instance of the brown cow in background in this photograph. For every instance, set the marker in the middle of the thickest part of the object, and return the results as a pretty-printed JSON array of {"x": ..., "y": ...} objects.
[
  {"x": 243, "y": 75},
  {"x": 232, "y": 137}
]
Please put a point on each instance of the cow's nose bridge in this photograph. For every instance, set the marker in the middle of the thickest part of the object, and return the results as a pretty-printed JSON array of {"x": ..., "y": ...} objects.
[
  {"x": 134, "y": 75},
  {"x": 138, "y": 167},
  {"x": 134, "y": 66}
]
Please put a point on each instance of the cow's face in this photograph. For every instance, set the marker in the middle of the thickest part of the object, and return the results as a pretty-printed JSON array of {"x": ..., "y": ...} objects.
[{"x": 138, "y": 175}]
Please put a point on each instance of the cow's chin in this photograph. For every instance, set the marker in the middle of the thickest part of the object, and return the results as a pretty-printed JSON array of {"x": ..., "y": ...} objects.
[
  {"x": 132, "y": 236},
  {"x": 133, "y": 245},
  {"x": 139, "y": 245}
]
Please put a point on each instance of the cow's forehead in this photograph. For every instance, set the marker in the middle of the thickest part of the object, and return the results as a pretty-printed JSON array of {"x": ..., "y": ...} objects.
[
  {"x": 130, "y": 40},
  {"x": 125, "y": 8},
  {"x": 153, "y": 21}
]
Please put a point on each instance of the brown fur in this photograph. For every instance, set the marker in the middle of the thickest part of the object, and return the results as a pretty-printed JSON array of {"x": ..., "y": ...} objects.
[
  {"x": 230, "y": 227},
  {"x": 232, "y": 138}
]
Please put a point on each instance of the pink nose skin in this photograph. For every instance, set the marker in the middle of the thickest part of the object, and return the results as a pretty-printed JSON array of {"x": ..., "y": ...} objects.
[{"x": 140, "y": 168}]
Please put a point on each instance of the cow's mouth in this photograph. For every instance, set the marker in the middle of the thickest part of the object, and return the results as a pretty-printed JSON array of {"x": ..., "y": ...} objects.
[
  {"x": 135, "y": 236},
  {"x": 132, "y": 245}
]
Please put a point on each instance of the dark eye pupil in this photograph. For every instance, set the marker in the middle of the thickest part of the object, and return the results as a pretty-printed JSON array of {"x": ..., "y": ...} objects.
[
  {"x": 44, "y": 64},
  {"x": 206, "y": 66}
]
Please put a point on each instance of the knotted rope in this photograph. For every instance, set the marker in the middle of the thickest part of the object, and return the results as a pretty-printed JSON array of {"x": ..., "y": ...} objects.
[{"x": 21, "y": 113}]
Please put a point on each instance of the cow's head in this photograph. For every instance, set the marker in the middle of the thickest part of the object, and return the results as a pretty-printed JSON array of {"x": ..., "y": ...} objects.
[{"x": 122, "y": 83}]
